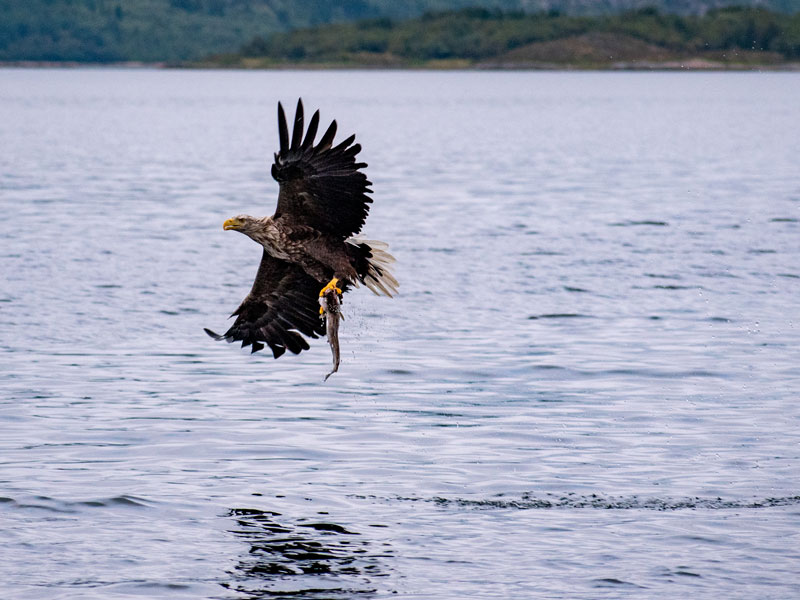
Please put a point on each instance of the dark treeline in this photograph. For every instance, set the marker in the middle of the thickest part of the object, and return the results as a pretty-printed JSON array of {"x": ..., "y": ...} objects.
[
  {"x": 175, "y": 30},
  {"x": 479, "y": 34},
  {"x": 119, "y": 30},
  {"x": 152, "y": 30}
]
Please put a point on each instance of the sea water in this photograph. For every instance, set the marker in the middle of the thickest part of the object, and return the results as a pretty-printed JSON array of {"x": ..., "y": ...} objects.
[{"x": 588, "y": 386}]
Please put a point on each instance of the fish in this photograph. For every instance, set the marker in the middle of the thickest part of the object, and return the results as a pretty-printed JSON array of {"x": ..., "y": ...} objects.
[{"x": 331, "y": 303}]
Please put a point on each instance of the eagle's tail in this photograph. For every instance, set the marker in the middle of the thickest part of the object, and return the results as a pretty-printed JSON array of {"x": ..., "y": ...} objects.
[{"x": 373, "y": 267}]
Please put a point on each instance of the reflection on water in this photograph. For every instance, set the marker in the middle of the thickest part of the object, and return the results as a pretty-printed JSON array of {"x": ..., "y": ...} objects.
[{"x": 313, "y": 560}]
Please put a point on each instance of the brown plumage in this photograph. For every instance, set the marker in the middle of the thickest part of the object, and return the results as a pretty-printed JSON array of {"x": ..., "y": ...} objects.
[{"x": 323, "y": 201}]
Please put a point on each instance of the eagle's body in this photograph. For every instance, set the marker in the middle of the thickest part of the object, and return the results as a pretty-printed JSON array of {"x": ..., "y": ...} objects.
[
  {"x": 308, "y": 242},
  {"x": 318, "y": 255}
]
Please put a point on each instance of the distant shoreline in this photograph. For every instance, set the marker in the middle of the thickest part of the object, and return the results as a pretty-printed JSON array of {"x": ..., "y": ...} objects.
[
  {"x": 49, "y": 64},
  {"x": 750, "y": 37},
  {"x": 691, "y": 64}
]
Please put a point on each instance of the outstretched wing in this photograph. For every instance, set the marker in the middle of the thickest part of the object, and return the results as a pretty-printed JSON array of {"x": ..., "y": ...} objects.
[
  {"x": 282, "y": 304},
  {"x": 320, "y": 186}
]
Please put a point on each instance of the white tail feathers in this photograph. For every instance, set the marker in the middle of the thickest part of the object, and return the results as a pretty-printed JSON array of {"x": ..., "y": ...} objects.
[{"x": 378, "y": 278}]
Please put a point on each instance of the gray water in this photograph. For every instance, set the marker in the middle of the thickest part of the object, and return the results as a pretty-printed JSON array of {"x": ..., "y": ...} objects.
[{"x": 587, "y": 388}]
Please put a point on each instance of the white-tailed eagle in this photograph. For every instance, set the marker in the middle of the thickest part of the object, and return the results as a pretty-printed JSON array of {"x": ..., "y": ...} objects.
[{"x": 309, "y": 248}]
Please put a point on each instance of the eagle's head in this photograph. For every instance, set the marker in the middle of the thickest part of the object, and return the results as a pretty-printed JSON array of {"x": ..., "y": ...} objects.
[{"x": 244, "y": 223}]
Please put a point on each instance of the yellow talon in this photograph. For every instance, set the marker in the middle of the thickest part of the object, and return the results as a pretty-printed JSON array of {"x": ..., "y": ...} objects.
[{"x": 331, "y": 286}]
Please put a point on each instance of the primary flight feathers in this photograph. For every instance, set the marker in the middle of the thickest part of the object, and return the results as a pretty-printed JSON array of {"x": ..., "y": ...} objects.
[{"x": 320, "y": 186}]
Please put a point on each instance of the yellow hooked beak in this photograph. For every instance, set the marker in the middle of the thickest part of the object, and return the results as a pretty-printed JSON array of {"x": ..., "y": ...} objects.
[{"x": 231, "y": 223}]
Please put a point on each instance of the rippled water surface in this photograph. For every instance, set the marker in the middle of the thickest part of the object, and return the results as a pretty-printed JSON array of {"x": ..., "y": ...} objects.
[{"x": 587, "y": 388}]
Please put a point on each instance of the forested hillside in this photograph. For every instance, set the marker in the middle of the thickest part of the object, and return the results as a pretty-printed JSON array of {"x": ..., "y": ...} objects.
[
  {"x": 483, "y": 37},
  {"x": 174, "y": 30}
]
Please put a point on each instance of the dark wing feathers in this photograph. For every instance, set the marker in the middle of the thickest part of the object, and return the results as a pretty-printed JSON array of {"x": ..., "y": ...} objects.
[
  {"x": 281, "y": 306},
  {"x": 297, "y": 130},
  {"x": 327, "y": 138},
  {"x": 312, "y": 132},
  {"x": 283, "y": 132},
  {"x": 321, "y": 186}
]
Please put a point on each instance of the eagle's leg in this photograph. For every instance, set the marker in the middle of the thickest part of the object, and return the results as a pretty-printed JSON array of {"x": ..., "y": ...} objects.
[{"x": 331, "y": 286}]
